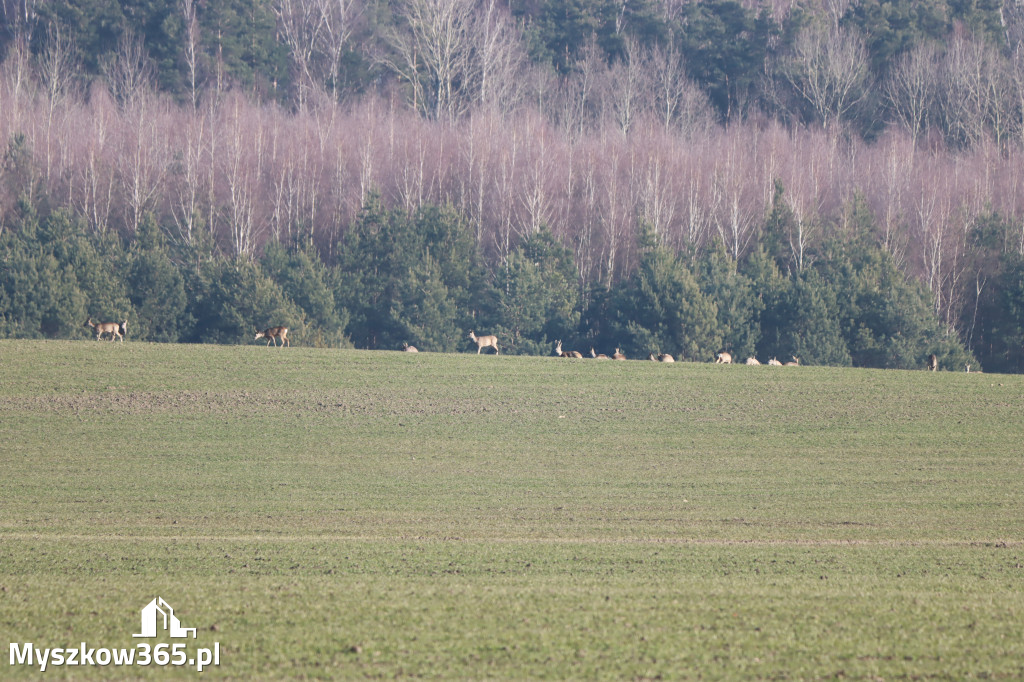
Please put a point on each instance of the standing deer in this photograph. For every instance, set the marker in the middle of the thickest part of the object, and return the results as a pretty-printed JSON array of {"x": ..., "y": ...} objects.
[
  {"x": 933, "y": 362},
  {"x": 409, "y": 349},
  {"x": 484, "y": 342},
  {"x": 273, "y": 334},
  {"x": 723, "y": 358},
  {"x": 566, "y": 354},
  {"x": 113, "y": 328},
  {"x": 597, "y": 356},
  {"x": 618, "y": 355},
  {"x": 752, "y": 361}
]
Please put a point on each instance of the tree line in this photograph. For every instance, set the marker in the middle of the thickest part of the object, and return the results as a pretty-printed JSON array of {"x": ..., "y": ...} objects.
[
  {"x": 945, "y": 69},
  {"x": 419, "y": 278},
  {"x": 240, "y": 129}
]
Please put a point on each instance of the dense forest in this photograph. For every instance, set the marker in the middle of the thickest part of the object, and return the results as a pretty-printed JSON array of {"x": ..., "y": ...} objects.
[{"x": 839, "y": 181}]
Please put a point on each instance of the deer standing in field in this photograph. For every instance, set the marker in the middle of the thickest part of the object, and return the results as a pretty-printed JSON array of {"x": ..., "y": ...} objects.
[
  {"x": 723, "y": 358},
  {"x": 484, "y": 342},
  {"x": 752, "y": 361},
  {"x": 618, "y": 355},
  {"x": 566, "y": 354},
  {"x": 597, "y": 356},
  {"x": 794, "y": 363},
  {"x": 774, "y": 363},
  {"x": 933, "y": 362},
  {"x": 113, "y": 328},
  {"x": 273, "y": 334},
  {"x": 663, "y": 357},
  {"x": 409, "y": 349}
]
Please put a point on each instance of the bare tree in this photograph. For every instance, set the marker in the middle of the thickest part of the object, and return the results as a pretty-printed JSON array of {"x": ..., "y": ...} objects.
[
  {"x": 535, "y": 192},
  {"x": 733, "y": 188},
  {"x": 829, "y": 71},
  {"x": 627, "y": 89},
  {"x": 301, "y": 24},
  {"x": 20, "y": 17},
  {"x": 17, "y": 77},
  {"x": 656, "y": 200},
  {"x": 977, "y": 96},
  {"x": 340, "y": 19},
  {"x": 678, "y": 101},
  {"x": 242, "y": 168},
  {"x": 317, "y": 32},
  {"x": 434, "y": 54},
  {"x": 191, "y": 37},
  {"x": 188, "y": 176},
  {"x": 499, "y": 58},
  {"x": 911, "y": 87},
  {"x": 57, "y": 70},
  {"x": 143, "y": 159},
  {"x": 128, "y": 72},
  {"x": 578, "y": 95}
]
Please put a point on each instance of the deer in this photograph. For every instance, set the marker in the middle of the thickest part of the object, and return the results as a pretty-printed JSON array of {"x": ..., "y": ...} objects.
[
  {"x": 752, "y": 361},
  {"x": 597, "y": 356},
  {"x": 618, "y": 355},
  {"x": 273, "y": 334},
  {"x": 115, "y": 329},
  {"x": 774, "y": 363},
  {"x": 566, "y": 354},
  {"x": 933, "y": 362},
  {"x": 794, "y": 363},
  {"x": 409, "y": 349},
  {"x": 484, "y": 342},
  {"x": 663, "y": 357},
  {"x": 723, "y": 358}
]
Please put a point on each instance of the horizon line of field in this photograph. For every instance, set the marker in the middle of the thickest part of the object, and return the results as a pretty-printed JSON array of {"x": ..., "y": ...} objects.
[{"x": 426, "y": 539}]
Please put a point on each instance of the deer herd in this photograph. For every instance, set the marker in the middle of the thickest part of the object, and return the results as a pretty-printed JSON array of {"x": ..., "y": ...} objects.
[{"x": 118, "y": 330}]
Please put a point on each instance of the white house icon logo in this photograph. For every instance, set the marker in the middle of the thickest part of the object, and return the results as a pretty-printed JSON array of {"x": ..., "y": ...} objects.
[{"x": 150, "y": 620}]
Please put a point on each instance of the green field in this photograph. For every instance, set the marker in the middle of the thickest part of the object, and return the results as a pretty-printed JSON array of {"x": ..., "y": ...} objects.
[{"x": 349, "y": 514}]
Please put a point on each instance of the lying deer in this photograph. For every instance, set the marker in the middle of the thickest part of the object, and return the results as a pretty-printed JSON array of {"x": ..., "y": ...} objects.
[
  {"x": 273, "y": 334},
  {"x": 723, "y": 358},
  {"x": 663, "y": 357},
  {"x": 618, "y": 355},
  {"x": 113, "y": 328},
  {"x": 752, "y": 361},
  {"x": 597, "y": 356},
  {"x": 409, "y": 349},
  {"x": 774, "y": 363},
  {"x": 484, "y": 342},
  {"x": 566, "y": 354},
  {"x": 795, "y": 362}
]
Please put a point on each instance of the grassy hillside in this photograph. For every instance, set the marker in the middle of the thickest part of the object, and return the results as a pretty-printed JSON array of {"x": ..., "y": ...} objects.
[{"x": 339, "y": 514}]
